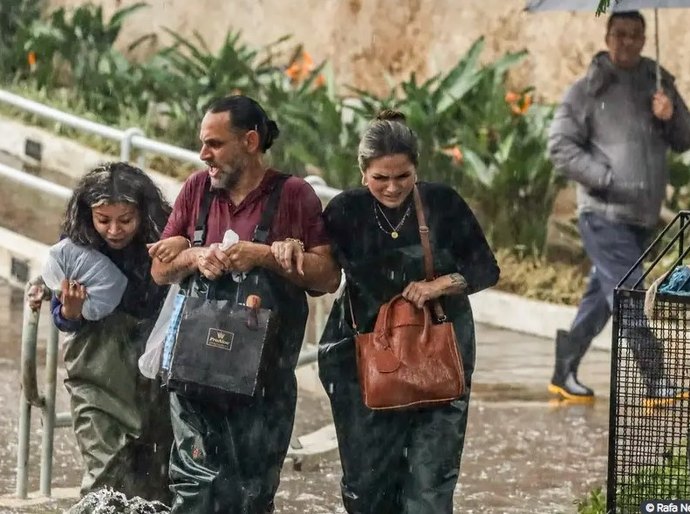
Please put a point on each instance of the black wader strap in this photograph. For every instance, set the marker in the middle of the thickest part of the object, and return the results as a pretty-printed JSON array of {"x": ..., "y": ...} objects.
[
  {"x": 264, "y": 227},
  {"x": 201, "y": 226}
]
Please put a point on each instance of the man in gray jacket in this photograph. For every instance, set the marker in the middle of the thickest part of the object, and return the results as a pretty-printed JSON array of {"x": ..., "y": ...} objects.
[{"x": 611, "y": 135}]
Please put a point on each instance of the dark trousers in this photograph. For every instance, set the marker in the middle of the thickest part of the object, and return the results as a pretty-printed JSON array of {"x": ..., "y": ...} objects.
[
  {"x": 398, "y": 462},
  {"x": 614, "y": 248},
  {"x": 228, "y": 459},
  {"x": 120, "y": 418}
]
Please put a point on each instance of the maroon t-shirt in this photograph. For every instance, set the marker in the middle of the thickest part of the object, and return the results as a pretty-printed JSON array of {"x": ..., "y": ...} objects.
[{"x": 298, "y": 214}]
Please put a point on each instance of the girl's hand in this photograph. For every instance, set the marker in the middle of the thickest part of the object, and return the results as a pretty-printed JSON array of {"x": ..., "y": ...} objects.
[
  {"x": 166, "y": 250},
  {"x": 35, "y": 294},
  {"x": 72, "y": 298},
  {"x": 421, "y": 292}
]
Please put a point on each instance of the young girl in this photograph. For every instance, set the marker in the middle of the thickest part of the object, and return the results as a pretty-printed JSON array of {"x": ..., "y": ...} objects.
[{"x": 120, "y": 419}]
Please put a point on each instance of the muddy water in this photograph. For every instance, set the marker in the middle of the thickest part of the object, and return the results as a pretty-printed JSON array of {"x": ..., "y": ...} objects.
[{"x": 521, "y": 456}]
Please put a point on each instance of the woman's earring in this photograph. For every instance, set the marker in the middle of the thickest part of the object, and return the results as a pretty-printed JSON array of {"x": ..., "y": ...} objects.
[{"x": 364, "y": 181}]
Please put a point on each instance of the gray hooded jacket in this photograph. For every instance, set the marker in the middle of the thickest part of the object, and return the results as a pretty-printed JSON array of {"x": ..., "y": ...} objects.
[{"x": 605, "y": 137}]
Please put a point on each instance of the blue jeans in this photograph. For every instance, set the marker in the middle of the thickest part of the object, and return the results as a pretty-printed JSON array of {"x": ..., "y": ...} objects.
[{"x": 613, "y": 248}]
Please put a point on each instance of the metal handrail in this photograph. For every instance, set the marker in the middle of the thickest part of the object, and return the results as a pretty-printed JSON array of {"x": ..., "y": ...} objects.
[
  {"x": 29, "y": 383},
  {"x": 129, "y": 139},
  {"x": 43, "y": 185},
  {"x": 31, "y": 397}
]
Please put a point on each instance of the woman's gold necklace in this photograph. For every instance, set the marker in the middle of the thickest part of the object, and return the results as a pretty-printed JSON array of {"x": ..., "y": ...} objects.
[{"x": 395, "y": 229}]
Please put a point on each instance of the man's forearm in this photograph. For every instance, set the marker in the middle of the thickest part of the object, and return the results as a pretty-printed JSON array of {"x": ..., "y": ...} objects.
[
  {"x": 321, "y": 273},
  {"x": 178, "y": 269}
]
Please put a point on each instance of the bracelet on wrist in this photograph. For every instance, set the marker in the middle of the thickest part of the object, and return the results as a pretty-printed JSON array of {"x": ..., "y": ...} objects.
[{"x": 294, "y": 240}]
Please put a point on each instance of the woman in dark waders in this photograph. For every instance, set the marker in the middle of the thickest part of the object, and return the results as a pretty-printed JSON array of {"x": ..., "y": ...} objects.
[
  {"x": 405, "y": 461},
  {"x": 120, "y": 418}
]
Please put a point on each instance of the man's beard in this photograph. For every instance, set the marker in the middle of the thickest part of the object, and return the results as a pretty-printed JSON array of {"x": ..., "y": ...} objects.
[{"x": 227, "y": 177}]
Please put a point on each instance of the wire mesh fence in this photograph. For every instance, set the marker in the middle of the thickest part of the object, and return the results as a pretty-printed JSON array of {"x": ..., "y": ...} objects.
[{"x": 649, "y": 424}]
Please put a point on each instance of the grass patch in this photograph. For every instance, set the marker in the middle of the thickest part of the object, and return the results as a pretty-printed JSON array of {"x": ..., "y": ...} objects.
[
  {"x": 593, "y": 503},
  {"x": 536, "y": 278},
  {"x": 667, "y": 481}
]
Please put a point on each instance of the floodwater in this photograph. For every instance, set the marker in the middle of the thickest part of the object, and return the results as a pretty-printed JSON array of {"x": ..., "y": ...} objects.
[{"x": 522, "y": 454}]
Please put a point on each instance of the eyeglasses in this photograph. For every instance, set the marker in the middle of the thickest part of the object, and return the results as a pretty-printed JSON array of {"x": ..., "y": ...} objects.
[{"x": 621, "y": 35}]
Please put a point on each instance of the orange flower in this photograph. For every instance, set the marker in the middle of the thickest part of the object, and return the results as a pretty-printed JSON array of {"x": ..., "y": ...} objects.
[
  {"x": 300, "y": 68},
  {"x": 512, "y": 97},
  {"x": 31, "y": 59},
  {"x": 320, "y": 81},
  {"x": 521, "y": 104},
  {"x": 455, "y": 154},
  {"x": 527, "y": 102}
]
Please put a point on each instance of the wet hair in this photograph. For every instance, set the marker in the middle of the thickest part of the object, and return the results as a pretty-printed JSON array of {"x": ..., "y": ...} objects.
[
  {"x": 115, "y": 182},
  {"x": 387, "y": 134},
  {"x": 625, "y": 15},
  {"x": 247, "y": 114}
]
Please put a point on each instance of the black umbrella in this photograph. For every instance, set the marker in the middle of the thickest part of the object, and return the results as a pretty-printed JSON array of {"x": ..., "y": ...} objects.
[{"x": 616, "y": 5}]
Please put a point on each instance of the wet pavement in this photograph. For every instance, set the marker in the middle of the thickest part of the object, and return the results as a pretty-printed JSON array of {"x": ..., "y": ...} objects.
[{"x": 523, "y": 454}]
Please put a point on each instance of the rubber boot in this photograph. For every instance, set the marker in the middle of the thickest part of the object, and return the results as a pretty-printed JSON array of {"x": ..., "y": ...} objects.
[
  {"x": 663, "y": 393},
  {"x": 564, "y": 381}
]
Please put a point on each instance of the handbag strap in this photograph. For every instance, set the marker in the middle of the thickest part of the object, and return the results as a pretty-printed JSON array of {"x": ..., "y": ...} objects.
[
  {"x": 426, "y": 248},
  {"x": 428, "y": 259},
  {"x": 352, "y": 311},
  {"x": 424, "y": 235}
]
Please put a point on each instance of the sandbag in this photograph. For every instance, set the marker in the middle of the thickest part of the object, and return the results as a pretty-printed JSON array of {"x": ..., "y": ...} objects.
[{"x": 104, "y": 282}]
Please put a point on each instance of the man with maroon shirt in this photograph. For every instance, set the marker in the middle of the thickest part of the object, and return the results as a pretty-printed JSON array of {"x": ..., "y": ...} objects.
[{"x": 227, "y": 458}]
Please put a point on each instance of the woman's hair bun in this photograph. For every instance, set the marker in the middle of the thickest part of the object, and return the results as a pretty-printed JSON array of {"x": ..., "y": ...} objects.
[{"x": 391, "y": 115}]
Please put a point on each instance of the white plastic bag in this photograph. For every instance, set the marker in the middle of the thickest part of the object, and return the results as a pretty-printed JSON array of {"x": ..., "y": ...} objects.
[
  {"x": 150, "y": 360},
  {"x": 104, "y": 282}
]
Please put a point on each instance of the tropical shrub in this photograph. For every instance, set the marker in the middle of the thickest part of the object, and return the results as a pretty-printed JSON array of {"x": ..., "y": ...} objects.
[{"x": 475, "y": 135}]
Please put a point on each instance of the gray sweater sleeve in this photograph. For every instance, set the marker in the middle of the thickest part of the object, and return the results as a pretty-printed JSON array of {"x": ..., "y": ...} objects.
[
  {"x": 569, "y": 142},
  {"x": 677, "y": 129}
]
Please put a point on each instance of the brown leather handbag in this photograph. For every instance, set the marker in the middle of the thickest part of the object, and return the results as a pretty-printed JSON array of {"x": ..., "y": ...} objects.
[{"x": 409, "y": 360}]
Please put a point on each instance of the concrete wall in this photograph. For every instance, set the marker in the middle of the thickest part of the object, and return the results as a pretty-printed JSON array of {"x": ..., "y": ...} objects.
[{"x": 370, "y": 40}]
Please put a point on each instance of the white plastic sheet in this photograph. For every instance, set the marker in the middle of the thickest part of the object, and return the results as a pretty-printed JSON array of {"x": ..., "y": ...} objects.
[{"x": 150, "y": 360}]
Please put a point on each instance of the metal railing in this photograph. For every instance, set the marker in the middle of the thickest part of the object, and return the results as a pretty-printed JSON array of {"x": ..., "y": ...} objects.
[
  {"x": 31, "y": 397},
  {"x": 41, "y": 184},
  {"x": 132, "y": 138}
]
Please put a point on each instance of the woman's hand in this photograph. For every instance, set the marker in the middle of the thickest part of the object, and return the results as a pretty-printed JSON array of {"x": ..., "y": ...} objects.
[
  {"x": 166, "y": 250},
  {"x": 72, "y": 298},
  {"x": 212, "y": 262},
  {"x": 421, "y": 292},
  {"x": 289, "y": 254}
]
